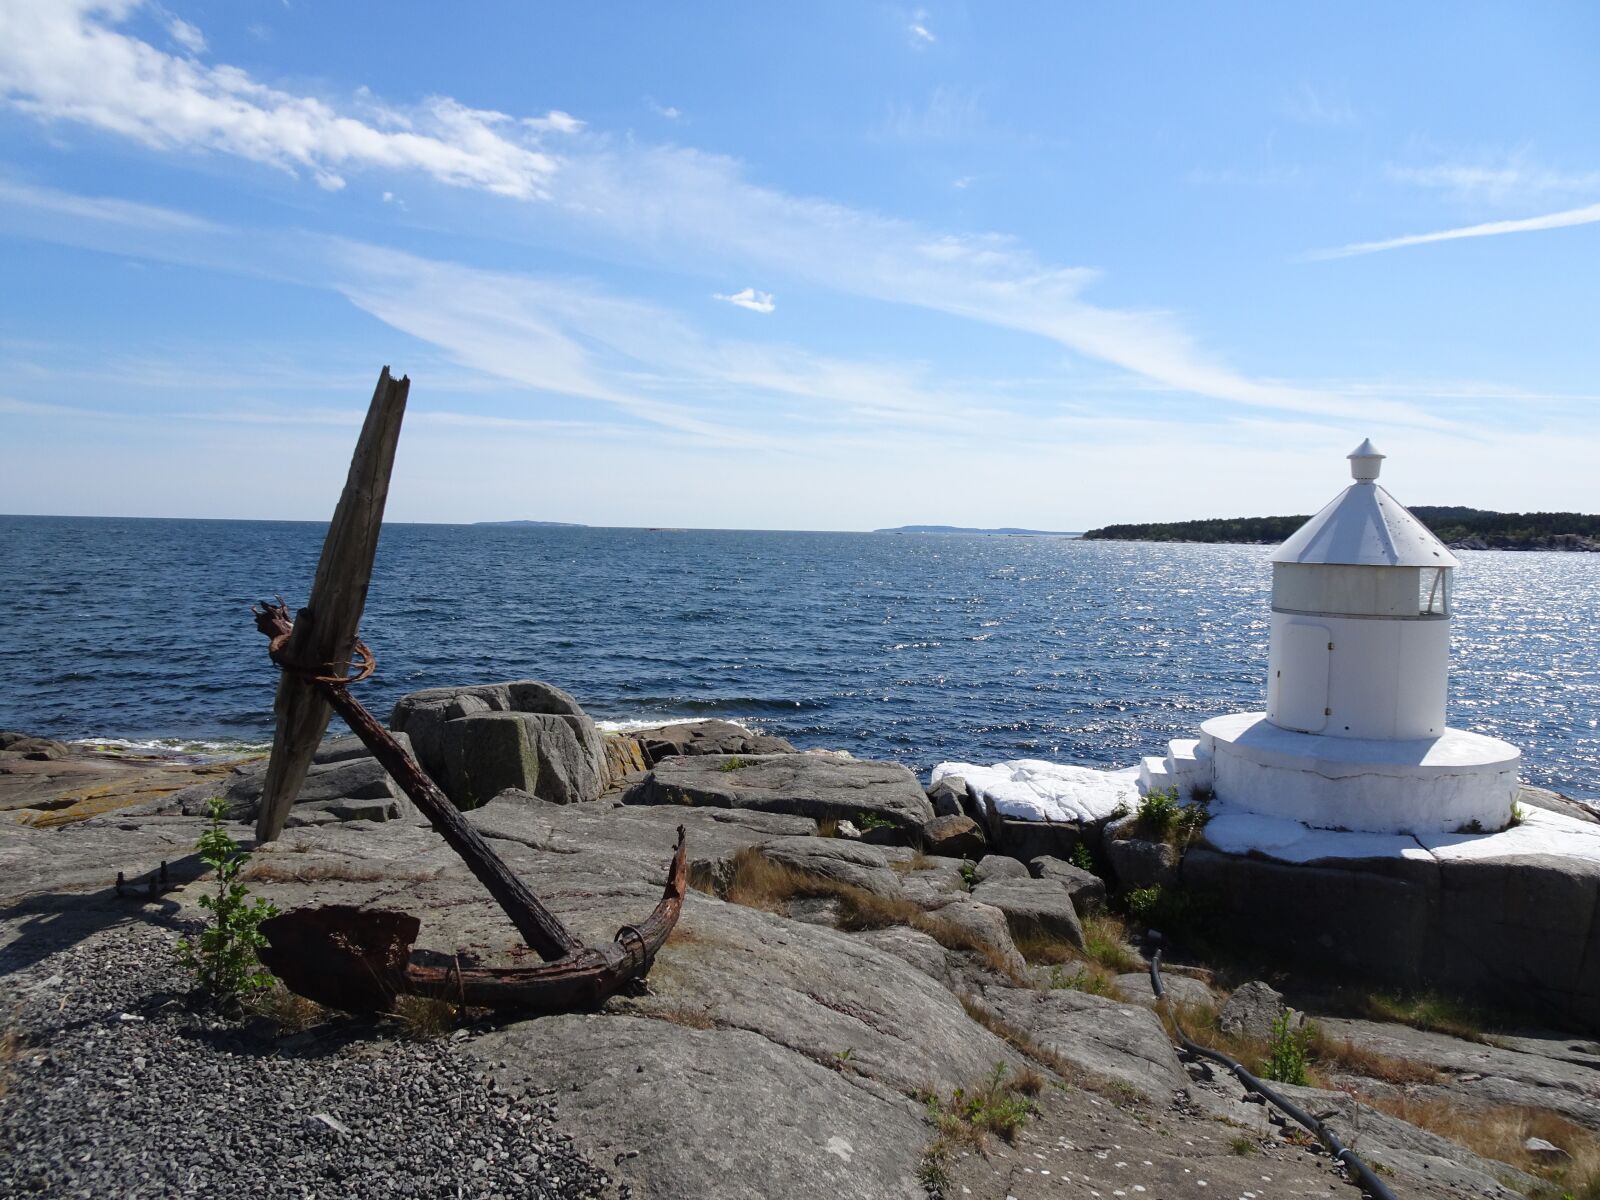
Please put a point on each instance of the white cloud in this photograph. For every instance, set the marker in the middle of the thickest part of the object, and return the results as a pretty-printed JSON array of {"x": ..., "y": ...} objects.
[
  {"x": 1514, "y": 180},
  {"x": 698, "y": 211},
  {"x": 666, "y": 111},
  {"x": 921, "y": 35},
  {"x": 1587, "y": 215},
  {"x": 755, "y": 301},
  {"x": 68, "y": 62},
  {"x": 186, "y": 35}
]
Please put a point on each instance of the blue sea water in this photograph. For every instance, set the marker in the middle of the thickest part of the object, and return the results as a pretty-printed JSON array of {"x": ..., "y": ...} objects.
[{"x": 915, "y": 648}]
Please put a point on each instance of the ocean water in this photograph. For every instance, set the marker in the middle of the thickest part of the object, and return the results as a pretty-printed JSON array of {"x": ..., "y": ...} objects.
[{"x": 913, "y": 648}]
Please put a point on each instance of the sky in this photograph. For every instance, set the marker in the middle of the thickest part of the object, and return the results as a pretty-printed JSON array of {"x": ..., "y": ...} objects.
[{"x": 825, "y": 266}]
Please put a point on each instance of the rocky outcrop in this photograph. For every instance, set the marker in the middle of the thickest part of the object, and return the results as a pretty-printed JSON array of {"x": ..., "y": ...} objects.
[
  {"x": 1252, "y": 1011},
  {"x": 1138, "y": 863},
  {"x": 344, "y": 783},
  {"x": 478, "y": 741},
  {"x": 951, "y": 797},
  {"x": 32, "y": 749},
  {"x": 1106, "y": 1039},
  {"x": 835, "y": 860},
  {"x": 802, "y": 784},
  {"x": 1520, "y": 931},
  {"x": 1088, "y": 890},
  {"x": 954, "y": 837},
  {"x": 1033, "y": 907},
  {"x": 705, "y": 737}
]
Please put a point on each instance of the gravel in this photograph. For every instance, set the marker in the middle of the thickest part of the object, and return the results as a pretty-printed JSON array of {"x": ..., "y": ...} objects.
[{"x": 117, "y": 1086}]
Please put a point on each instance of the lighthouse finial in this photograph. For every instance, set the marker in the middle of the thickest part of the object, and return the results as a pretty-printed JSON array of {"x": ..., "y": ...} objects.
[{"x": 1365, "y": 462}]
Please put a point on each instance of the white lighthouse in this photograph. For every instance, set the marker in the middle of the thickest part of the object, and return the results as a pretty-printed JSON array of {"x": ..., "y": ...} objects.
[{"x": 1354, "y": 736}]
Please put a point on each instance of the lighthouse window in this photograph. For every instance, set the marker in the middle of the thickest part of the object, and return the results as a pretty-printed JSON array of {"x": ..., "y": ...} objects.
[{"x": 1435, "y": 592}]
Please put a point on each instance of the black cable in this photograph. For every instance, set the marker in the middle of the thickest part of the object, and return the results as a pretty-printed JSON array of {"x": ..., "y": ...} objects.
[{"x": 1369, "y": 1181}]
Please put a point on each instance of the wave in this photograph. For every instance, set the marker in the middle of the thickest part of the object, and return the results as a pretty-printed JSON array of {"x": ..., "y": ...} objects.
[{"x": 178, "y": 749}]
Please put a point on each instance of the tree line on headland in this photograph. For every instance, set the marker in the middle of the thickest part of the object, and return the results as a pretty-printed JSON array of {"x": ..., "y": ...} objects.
[{"x": 1462, "y": 528}]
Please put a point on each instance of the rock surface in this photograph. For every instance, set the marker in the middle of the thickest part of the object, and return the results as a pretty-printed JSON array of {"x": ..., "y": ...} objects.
[
  {"x": 803, "y": 784},
  {"x": 1088, "y": 890},
  {"x": 1251, "y": 1011},
  {"x": 954, "y": 837},
  {"x": 343, "y": 783},
  {"x": 705, "y": 737},
  {"x": 1033, "y": 907},
  {"x": 477, "y": 741}
]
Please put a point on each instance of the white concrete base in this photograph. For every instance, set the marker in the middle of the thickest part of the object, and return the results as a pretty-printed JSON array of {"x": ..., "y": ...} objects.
[
  {"x": 1030, "y": 789},
  {"x": 1436, "y": 785}
]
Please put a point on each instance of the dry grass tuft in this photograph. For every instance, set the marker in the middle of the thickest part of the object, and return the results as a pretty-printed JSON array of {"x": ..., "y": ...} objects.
[
  {"x": 918, "y": 861},
  {"x": 1345, "y": 1055},
  {"x": 424, "y": 1018},
  {"x": 1000, "y": 1105},
  {"x": 1105, "y": 941},
  {"x": 828, "y": 827},
  {"x": 1427, "y": 1011},
  {"x": 1500, "y": 1132},
  {"x": 758, "y": 882},
  {"x": 289, "y": 1012}
]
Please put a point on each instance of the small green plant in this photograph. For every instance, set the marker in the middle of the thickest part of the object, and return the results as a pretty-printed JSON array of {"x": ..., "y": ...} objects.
[
  {"x": 1158, "y": 813},
  {"x": 1083, "y": 857},
  {"x": 1288, "y": 1050},
  {"x": 1518, "y": 815},
  {"x": 732, "y": 763},
  {"x": 998, "y": 1105},
  {"x": 1242, "y": 1145},
  {"x": 969, "y": 875},
  {"x": 1472, "y": 826},
  {"x": 223, "y": 959},
  {"x": 868, "y": 821},
  {"x": 1095, "y": 983},
  {"x": 1193, "y": 817}
]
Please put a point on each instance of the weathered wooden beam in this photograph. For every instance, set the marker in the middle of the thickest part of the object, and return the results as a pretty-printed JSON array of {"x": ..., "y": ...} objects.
[{"x": 325, "y": 630}]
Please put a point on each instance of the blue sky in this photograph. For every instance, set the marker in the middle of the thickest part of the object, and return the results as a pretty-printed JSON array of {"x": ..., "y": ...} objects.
[{"x": 825, "y": 266}]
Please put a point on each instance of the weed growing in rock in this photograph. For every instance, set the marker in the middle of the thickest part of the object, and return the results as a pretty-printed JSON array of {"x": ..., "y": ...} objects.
[
  {"x": 867, "y": 822},
  {"x": 969, "y": 875},
  {"x": 223, "y": 960},
  {"x": 1518, "y": 815},
  {"x": 1288, "y": 1050},
  {"x": 732, "y": 763},
  {"x": 424, "y": 1018},
  {"x": 1083, "y": 857},
  {"x": 1242, "y": 1145},
  {"x": 1090, "y": 978},
  {"x": 1105, "y": 942},
  {"x": 1424, "y": 1010},
  {"x": 1162, "y": 817},
  {"x": 999, "y": 1105}
]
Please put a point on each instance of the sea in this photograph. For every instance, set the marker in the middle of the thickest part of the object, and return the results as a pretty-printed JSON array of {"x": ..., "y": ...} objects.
[{"x": 918, "y": 648}]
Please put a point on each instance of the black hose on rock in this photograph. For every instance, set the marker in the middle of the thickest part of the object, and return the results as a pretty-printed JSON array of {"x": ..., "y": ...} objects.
[{"x": 1369, "y": 1181}]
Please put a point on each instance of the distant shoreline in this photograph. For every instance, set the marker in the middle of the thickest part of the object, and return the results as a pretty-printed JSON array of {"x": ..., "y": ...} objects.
[
  {"x": 1002, "y": 532},
  {"x": 1459, "y": 528}
]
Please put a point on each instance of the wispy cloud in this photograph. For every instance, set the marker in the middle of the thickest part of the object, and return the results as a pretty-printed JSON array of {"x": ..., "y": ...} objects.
[
  {"x": 186, "y": 35},
  {"x": 1587, "y": 215},
  {"x": 1310, "y": 106},
  {"x": 1513, "y": 180},
  {"x": 665, "y": 111},
  {"x": 755, "y": 301},
  {"x": 918, "y": 30}
]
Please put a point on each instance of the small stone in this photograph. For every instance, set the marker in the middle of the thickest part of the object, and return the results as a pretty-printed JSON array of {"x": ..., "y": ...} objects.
[
  {"x": 1545, "y": 1152},
  {"x": 331, "y": 1122}
]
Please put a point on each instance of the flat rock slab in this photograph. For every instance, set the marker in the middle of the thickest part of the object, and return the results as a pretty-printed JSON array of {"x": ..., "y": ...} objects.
[
  {"x": 705, "y": 737},
  {"x": 801, "y": 784},
  {"x": 835, "y": 859},
  {"x": 714, "y": 1113},
  {"x": 1110, "y": 1041},
  {"x": 1033, "y": 906},
  {"x": 1032, "y": 789},
  {"x": 1088, "y": 890}
]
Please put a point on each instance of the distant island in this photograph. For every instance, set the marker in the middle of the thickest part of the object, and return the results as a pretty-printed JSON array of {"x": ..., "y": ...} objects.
[
  {"x": 537, "y": 524},
  {"x": 1459, "y": 528},
  {"x": 965, "y": 529}
]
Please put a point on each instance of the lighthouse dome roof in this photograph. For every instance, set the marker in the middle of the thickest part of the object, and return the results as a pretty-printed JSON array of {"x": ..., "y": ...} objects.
[{"x": 1365, "y": 526}]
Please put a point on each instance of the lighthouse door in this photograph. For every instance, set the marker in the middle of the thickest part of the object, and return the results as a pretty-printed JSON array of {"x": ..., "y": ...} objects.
[{"x": 1302, "y": 678}]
